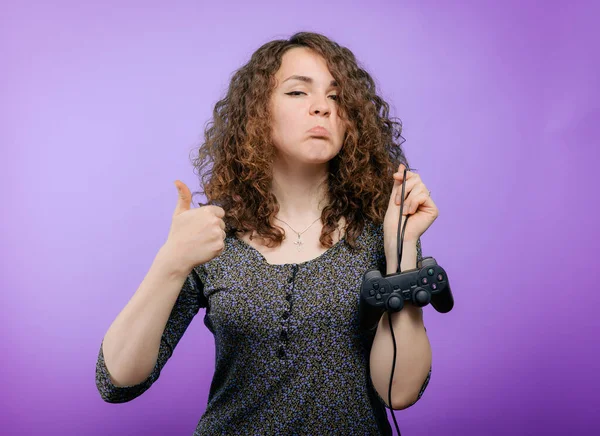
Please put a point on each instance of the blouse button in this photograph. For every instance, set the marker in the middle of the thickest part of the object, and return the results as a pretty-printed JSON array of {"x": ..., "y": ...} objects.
[
  {"x": 281, "y": 352},
  {"x": 284, "y": 335},
  {"x": 288, "y": 297},
  {"x": 286, "y": 315}
]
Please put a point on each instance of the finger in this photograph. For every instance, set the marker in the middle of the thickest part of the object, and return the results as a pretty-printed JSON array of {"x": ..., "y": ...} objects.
[
  {"x": 402, "y": 167},
  {"x": 415, "y": 199},
  {"x": 408, "y": 188},
  {"x": 184, "y": 200},
  {"x": 396, "y": 195},
  {"x": 400, "y": 175},
  {"x": 222, "y": 224},
  {"x": 217, "y": 210}
]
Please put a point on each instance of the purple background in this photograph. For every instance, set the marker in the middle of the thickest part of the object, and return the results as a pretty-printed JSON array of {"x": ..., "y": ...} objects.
[{"x": 102, "y": 103}]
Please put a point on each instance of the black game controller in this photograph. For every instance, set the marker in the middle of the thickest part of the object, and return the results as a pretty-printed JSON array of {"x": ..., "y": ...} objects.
[{"x": 428, "y": 283}]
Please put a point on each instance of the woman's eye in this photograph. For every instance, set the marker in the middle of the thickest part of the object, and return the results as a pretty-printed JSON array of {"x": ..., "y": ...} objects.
[{"x": 296, "y": 93}]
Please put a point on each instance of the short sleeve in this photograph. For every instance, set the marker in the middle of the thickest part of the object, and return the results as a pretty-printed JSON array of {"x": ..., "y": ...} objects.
[
  {"x": 190, "y": 299},
  {"x": 419, "y": 251}
]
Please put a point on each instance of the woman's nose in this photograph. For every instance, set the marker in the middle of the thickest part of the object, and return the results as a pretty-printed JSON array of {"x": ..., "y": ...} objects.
[{"x": 320, "y": 107}]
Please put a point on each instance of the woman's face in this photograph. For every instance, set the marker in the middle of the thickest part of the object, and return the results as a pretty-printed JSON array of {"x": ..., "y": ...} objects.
[{"x": 305, "y": 97}]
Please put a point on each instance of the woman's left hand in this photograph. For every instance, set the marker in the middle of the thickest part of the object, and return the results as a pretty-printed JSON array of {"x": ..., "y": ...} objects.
[{"x": 417, "y": 204}]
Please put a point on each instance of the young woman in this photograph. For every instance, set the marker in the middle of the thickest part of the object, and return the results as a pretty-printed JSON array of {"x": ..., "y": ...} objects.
[{"x": 303, "y": 183}]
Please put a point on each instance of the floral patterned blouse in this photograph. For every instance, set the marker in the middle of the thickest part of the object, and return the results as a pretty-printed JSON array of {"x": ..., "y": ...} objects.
[{"x": 291, "y": 358}]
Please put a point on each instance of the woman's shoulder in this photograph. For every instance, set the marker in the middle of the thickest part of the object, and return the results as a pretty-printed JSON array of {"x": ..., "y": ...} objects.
[
  {"x": 370, "y": 237},
  {"x": 373, "y": 229}
]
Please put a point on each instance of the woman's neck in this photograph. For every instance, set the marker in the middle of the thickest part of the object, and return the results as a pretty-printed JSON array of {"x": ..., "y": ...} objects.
[{"x": 301, "y": 192}]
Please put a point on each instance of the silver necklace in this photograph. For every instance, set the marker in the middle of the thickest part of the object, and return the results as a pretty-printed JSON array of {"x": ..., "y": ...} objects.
[{"x": 298, "y": 242}]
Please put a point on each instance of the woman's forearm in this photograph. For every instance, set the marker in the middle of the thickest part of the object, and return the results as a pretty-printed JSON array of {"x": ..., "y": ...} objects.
[
  {"x": 413, "y": 350},
  {"x": 132, "y": 342}
]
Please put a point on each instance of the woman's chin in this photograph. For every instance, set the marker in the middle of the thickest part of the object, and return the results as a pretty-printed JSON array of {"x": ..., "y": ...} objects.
[
  {"x": 316, "y": 156},
  {"x": 317, "y": 159}
]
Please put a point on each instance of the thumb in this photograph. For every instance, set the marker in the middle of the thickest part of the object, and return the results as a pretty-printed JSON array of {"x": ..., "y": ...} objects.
[
  {"x": 396, "y": 192},
  {"x": 184, "y": 200},
  {"x": 396, "y": 195}
]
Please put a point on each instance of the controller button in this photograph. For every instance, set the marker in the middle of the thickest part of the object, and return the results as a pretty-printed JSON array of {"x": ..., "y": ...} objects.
[
  {"x": 406, "y": 294},
  {"x": 434, "y": 286},
  {"x": 424, "y": 280},
  {"x": 378, "y": 296},
  {"x": 286, "y": 315},
  {"x": 376, "y": 285},
  {"x": 372, "y": 292},
  {"x": 430, "y": 271},
  {"x": 396, "y": 287},
  {"x": 440, "y": 277}
]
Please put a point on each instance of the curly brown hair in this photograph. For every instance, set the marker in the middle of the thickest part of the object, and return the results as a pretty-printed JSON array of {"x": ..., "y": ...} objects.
[{"x": 238, "y": 148}]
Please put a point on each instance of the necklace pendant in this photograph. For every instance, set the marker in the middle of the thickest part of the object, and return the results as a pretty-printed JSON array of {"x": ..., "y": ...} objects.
[{"x": 298, "y": 243}]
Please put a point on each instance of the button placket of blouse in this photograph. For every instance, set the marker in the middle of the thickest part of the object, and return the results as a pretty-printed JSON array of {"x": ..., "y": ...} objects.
[{"x": 283, "y": 335}]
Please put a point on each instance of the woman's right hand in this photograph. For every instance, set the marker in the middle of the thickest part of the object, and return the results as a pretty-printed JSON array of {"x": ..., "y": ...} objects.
[{"x": 196, "y": 235}]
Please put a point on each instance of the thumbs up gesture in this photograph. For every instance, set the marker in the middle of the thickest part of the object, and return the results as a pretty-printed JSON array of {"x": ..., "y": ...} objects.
[{"x": 196, "y": 235}]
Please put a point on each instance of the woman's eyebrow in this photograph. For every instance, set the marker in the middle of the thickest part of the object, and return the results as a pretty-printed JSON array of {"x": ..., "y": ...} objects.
[{"x": 307, "y": 80}]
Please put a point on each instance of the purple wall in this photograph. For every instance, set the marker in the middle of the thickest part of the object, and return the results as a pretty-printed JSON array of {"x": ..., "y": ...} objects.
[{"x": 101, "y": 104}]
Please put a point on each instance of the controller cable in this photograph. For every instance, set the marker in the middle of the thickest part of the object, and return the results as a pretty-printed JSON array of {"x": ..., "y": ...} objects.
[{"x": 400, "y": 241}]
